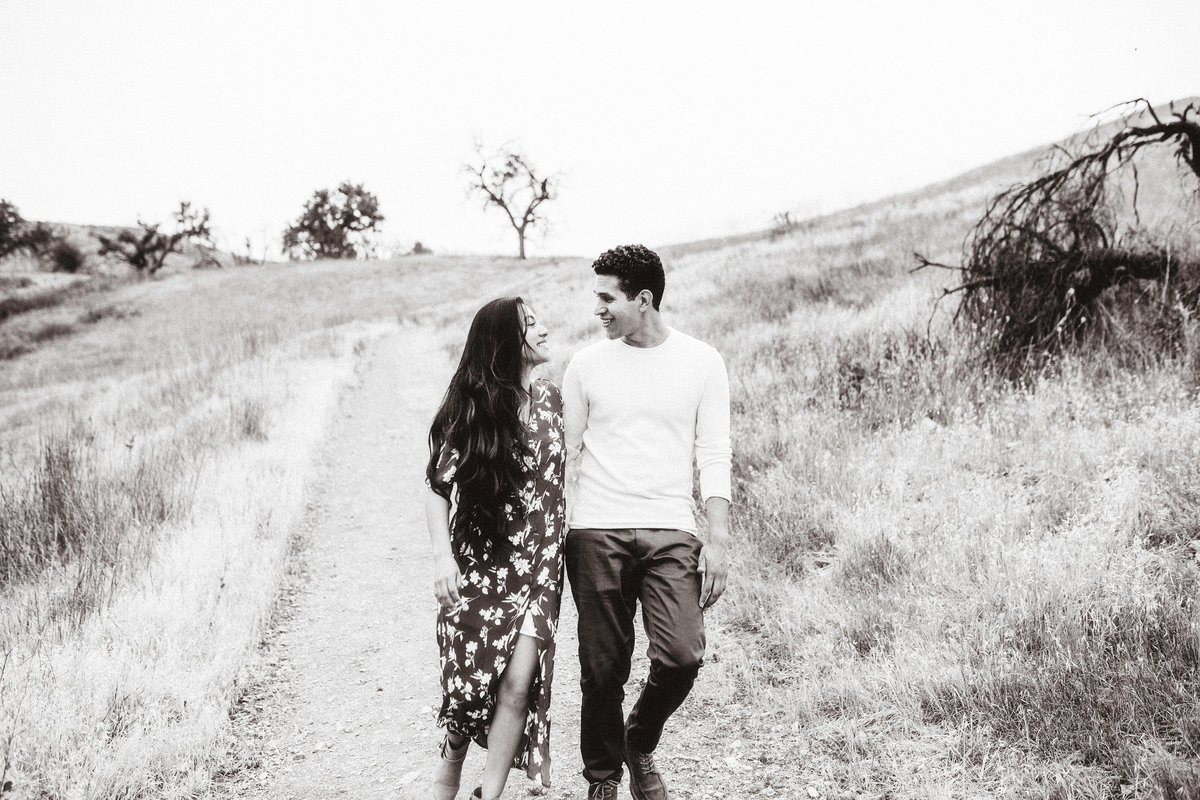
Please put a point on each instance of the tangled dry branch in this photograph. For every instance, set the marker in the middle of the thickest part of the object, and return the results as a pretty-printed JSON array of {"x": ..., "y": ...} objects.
[{"x": 1047, "y": 252}]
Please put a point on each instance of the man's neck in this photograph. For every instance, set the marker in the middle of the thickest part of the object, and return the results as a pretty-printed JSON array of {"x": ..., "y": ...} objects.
[{"x": 652, "y": 333}]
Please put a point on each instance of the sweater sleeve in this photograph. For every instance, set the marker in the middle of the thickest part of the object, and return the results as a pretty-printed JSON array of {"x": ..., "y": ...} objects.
[
  {"x": 575, "y": 411},
  {"x": 714, "y": 455}
]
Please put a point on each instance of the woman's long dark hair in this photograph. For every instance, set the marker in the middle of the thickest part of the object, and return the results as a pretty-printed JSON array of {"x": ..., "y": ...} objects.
[{"x": 480, "y": 418}]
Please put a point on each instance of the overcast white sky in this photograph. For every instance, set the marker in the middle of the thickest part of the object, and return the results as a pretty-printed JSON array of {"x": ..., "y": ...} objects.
[{"x": 670, "y": 121}]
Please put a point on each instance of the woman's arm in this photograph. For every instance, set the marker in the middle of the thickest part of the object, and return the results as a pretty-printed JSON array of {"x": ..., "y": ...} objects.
[{"x": 445, "y": 568}]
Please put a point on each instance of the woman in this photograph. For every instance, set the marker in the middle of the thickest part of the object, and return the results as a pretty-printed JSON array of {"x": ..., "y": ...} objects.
[{"x": 496, "y": 521}]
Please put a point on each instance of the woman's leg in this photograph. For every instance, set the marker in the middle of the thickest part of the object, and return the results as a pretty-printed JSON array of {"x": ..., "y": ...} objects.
[{"x": 508, "y": 718}]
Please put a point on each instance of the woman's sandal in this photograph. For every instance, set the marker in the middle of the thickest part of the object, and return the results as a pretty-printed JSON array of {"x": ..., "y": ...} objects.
[{"x": 449, "y": 770}]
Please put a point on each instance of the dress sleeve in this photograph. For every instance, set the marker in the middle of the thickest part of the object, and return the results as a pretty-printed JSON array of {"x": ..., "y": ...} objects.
[
  {"x": 442, "y": 479},
  {"x": 553, "y": 395}
]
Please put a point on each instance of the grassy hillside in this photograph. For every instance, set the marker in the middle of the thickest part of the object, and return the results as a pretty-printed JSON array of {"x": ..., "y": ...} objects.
[
  {"x": 951, "y": 585},
  {"x": 946, "y": 584}
]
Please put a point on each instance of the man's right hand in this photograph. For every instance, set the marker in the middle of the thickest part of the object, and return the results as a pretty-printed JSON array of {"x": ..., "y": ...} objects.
[{"x": 445, "y": 580}]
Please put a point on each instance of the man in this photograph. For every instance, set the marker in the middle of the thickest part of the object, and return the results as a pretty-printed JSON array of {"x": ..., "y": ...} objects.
[{"x": 639, "y": 408}]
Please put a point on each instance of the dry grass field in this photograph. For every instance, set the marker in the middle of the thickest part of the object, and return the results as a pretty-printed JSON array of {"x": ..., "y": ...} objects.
[
  {"x": 946, "y": 584},
  {"x": 155, "y": 453}
]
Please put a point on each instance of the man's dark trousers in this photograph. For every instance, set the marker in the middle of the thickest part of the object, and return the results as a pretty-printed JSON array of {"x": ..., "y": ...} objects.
[{"x": 610, "y": 572}]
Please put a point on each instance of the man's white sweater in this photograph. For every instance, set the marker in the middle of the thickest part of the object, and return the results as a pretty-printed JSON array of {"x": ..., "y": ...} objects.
[{"x": 637, "y": 418}]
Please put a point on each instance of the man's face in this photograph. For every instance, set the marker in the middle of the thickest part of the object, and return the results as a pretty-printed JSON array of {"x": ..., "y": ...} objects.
[{"x": 619, "y": 315}]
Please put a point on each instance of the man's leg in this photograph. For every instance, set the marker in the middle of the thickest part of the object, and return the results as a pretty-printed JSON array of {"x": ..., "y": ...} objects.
[
  {"x": 674, "y": 623},
  {"x": 599, "y": 565}
]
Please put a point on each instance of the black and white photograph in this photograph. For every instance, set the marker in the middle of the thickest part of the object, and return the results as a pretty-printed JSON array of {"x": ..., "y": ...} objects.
[{"x": 588, "y": 401}]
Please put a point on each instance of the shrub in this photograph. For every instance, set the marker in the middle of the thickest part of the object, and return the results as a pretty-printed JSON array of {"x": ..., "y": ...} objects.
[{"x": 65, "y": 256}]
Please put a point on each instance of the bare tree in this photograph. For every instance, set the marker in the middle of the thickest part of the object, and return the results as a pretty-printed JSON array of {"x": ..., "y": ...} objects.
[
  {"x": 508, "y": 180},
  {"x": 146, "y": 251},
  {"x": 1045, "y": 252},
  {"x": 782, "y": 224}
]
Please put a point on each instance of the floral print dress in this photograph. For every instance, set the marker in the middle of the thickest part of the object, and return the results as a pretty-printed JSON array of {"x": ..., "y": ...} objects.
[{"x": 507, "y": 591}]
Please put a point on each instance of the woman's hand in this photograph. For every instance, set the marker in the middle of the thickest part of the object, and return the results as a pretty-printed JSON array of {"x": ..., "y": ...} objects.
[
  {"x": 445, "y": 580},
  {"x": 445, "y": 570}
]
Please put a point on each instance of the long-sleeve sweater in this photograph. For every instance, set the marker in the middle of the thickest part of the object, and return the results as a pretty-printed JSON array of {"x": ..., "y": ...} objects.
[{"x": 636, "y": 419}]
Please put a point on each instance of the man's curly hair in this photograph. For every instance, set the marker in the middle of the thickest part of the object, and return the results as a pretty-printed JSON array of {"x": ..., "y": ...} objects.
[{"x": 636, "y": 267}]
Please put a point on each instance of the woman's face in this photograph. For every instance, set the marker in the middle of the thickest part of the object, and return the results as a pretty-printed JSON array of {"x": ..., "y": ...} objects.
[{"x": 536, "y": 351}]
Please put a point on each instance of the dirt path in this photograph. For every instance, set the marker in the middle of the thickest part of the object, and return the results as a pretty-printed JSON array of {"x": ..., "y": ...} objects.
[{"x": 346, "y": 686}]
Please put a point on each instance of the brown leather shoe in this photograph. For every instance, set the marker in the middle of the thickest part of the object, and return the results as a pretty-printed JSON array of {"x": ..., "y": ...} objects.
[
  {"x": 645, "y": 782},
  {"x": 603, "y": 790}
]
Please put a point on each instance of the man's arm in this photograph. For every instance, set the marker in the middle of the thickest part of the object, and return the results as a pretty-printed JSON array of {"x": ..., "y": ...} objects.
[
  {"x": 575, "y": 417},
  {"x": 714, "y": 558},
  {"x": 575, "y": 411},
  {"x": 714, "y": 458}
]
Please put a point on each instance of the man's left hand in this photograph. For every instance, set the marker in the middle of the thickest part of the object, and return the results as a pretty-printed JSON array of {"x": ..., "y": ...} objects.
[{"x": 714, "y": 571}]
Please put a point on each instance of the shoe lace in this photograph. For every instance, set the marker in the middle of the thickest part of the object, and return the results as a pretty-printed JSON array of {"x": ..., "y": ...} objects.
[
  {"x": 606, "y": 790},
  {"x": 645, "y": 763}
]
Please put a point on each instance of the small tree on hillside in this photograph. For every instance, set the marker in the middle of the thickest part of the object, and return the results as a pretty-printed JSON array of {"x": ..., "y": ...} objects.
[
  {"x": 17, "y": 235},
  {"x": 1053, "y": 258},
  {"x": 338, "y": 224},
  {"x": 509, "y": 181},
  {"x": 147, "y": 250}
]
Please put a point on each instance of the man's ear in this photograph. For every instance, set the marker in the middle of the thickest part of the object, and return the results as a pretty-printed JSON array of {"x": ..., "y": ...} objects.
[{"x": 645, "y": 300}]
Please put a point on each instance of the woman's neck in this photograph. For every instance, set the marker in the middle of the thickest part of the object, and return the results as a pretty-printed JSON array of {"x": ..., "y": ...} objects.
[{"x": 526, "y": 401}]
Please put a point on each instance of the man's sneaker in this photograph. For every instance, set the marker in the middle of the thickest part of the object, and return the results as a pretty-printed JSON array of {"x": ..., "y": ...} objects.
[
  {"x": 644, "y": 781},
  {"x": 603, "y": 790}
]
